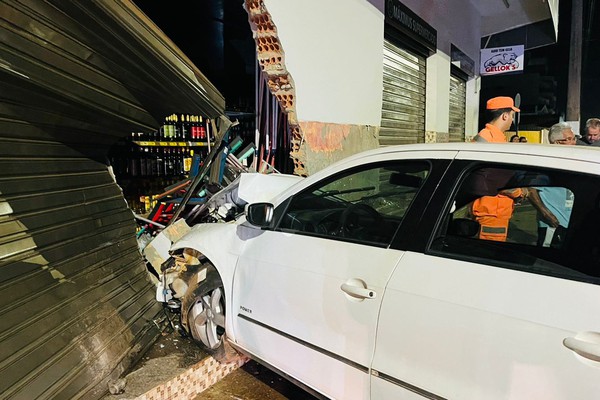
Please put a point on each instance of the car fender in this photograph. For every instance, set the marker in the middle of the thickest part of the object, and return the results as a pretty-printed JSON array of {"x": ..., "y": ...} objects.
[{"x": 222, "y": 245}]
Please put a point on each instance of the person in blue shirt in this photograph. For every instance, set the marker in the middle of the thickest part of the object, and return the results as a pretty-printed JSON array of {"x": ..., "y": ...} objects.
[{"x": 554, "y": 204}]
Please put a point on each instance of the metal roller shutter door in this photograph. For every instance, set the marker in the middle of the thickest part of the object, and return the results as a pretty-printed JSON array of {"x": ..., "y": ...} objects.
[
  {"x": 458, "y": 95},
  {"x": 403, "y": 108},
  {"x": 76, "y": 304}
]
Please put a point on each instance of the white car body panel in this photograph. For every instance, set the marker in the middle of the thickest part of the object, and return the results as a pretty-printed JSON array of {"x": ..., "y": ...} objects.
[
  {"x": 255, "y": 187},
  {"x": 469, "y": 331},
  {"x": 252, "y": 187},
  {"x": 297, "y": 294},
  {"x": 449, "y": 328}
]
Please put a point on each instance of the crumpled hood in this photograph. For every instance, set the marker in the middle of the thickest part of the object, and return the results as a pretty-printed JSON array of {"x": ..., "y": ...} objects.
[{"x": 252, "y": 188}]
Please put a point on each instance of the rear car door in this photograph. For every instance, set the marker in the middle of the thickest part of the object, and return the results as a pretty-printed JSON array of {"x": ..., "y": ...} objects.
[
  {"x": 467, "y": 318},
  {"x": 307, "y": 294}
]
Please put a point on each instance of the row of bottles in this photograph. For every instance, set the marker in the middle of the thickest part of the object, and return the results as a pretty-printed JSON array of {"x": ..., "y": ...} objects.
[
  {"x": 183, "y": 128},
  {"x": 142, "y": 198},
  {"x": 153, "y": 161}
]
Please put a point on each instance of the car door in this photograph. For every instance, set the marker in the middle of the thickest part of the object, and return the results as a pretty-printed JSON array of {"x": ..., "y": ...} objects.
[
  {"x": 307, "y": 294},
  {"x": 466, "y": 318}
]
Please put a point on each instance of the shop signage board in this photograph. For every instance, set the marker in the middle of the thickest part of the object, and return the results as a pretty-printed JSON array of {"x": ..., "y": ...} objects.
[
  {"x": 501, "y": 60},
  {"x": 409, "y": 23}
]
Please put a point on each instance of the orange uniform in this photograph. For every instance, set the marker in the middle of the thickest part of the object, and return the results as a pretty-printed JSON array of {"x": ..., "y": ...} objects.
[
  {"x": 490, "y": 134},
  {"x": 493, "y": 212}
]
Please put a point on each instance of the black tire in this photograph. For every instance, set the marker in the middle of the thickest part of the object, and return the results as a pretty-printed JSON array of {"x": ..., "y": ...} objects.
[{"x": 203, "y": 311}]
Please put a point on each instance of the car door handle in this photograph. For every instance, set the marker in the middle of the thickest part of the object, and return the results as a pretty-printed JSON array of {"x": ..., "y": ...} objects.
[
  {"x": 357, "y": 289},
  {"x": 586, "y": 344}
]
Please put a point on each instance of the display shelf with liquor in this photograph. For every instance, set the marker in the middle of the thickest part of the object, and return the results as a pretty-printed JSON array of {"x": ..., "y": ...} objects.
[{"x": 147, "y": 162}]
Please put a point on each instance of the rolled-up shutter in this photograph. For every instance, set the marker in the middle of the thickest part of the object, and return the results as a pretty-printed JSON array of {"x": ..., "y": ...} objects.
[
  {"x": 76, "y": 304},
  {"x": 458, "y": 95},
  {"x": 403, "y": 108}
]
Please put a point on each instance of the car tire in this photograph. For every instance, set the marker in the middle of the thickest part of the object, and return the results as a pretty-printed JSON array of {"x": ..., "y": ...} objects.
[{"x": 203, "y": 312}]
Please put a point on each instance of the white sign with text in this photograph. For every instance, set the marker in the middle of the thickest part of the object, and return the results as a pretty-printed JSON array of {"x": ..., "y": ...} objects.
[{"x": 500, "y": 60}]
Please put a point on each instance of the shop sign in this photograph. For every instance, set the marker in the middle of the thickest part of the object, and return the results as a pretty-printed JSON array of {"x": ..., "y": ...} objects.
[
  {"x": 401, "y": 17},
  {"x": 461, "y": 60},
  {"x": 501, "y": 60}
]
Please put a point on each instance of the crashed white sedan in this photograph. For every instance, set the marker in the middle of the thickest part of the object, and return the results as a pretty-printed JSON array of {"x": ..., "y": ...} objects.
[{"x": 369, "y": 279}]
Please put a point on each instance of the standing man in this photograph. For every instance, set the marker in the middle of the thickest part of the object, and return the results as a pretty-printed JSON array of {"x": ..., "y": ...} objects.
[
  {"x": 554, "y": 204},
  {"x": 494, "y": 212},
  {"x": 592, "y": 133},
  {"x": 501, "y": 113}
]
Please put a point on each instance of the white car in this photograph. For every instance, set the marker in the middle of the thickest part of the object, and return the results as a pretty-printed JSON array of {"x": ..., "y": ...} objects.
[{"x": 368, "y": 280}]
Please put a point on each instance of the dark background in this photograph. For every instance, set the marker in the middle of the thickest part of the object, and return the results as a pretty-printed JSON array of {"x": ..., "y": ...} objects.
[
  {"x": 216, "y": 36},
  {"x": 544, "y": 81}
]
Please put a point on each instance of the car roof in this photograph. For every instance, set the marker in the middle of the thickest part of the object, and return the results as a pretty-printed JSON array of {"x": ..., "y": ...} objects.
[{"x": 580, "y": 153}]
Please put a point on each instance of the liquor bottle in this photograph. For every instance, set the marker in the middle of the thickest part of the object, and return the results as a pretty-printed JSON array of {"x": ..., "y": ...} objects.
[
  {"x": 201, "y": 130},
  {"x": 171, "y": 129},
  {"x": 168, "y": 162},
  {"x": 143, "y": 164},
  {"x": 174, "y": 161},
  {"x": 187, "y": 160},
  {"x": 176, "y": 130},
  {"x": 134, "y": 162},
  {"x": 177, "y": 161},
  {"x": 193, "y": 128},
  {"x": 159, "y": 165},
  {"x": 160, "y": 161},
  {"x": 152, "y": 162},
  {"x": 165, "y": 130},
  {"x": 184, "y": 128}
]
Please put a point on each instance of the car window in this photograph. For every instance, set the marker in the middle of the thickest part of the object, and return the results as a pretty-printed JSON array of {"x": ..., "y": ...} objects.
[
  {"x": 534, "y": 220},
  {"x": 363, "y": 204}
]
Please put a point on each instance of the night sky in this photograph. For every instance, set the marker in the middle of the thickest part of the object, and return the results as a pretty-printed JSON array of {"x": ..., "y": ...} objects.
[{"x": 216, "y": 36}]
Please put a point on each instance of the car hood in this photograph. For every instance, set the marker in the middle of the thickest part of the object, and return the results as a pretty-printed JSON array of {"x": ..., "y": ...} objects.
[{"x": 252, "y": 188}]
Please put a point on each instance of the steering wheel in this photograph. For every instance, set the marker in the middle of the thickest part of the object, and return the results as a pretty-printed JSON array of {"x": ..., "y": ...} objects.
[{"x": 350, "y": 220}]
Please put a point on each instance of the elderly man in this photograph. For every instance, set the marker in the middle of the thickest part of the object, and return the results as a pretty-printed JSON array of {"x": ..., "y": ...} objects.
[
  {"x": 554, "y": 204},
  {"x": 592, "y": 133}
]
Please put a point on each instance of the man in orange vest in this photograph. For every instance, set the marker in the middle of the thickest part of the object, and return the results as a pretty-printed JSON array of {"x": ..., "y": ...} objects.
[
  {"x": 494, "y": 212},
  {"x": 501, "y": 111}
]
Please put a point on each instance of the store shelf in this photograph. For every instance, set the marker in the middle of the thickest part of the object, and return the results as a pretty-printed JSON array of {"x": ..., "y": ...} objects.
[{"x": 172, "y": 144}]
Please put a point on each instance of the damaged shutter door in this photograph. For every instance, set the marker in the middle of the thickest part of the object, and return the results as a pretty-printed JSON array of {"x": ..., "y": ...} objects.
[
  {"x": 458, "y": 95},
  {"x": 403, "y": 108}
]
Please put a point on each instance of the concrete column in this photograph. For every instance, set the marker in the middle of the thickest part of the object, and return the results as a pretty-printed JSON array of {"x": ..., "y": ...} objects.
[{"x": 437, "y": 98}]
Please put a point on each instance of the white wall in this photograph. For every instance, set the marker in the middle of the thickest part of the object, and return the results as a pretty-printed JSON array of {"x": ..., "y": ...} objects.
[
  {"x": 334, "y": 50},
  {"x": 334, "y": 53}
]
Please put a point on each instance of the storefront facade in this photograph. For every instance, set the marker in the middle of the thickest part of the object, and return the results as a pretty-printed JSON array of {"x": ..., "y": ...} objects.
[{"x": 381, "y": 74}]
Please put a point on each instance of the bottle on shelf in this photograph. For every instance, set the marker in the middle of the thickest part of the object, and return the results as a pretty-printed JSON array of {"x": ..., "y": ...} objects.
[
  {"x": 176, "y": 129},
  {"x": 187, "y": 159},
  {"x": 184, "y": 127},
  {"x": 134, "y": 163},
  {"x": 143, "y": 161},
  {"x": 202, "y": 130},
  {"x": 193, "y": 128}
]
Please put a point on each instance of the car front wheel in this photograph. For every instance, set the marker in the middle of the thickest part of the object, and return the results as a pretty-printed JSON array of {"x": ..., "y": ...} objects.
[{"x": 206, "y": 312}]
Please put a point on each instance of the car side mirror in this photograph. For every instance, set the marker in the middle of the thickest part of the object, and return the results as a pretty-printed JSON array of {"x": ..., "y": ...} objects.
[{"x": 259, "y": 214}]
